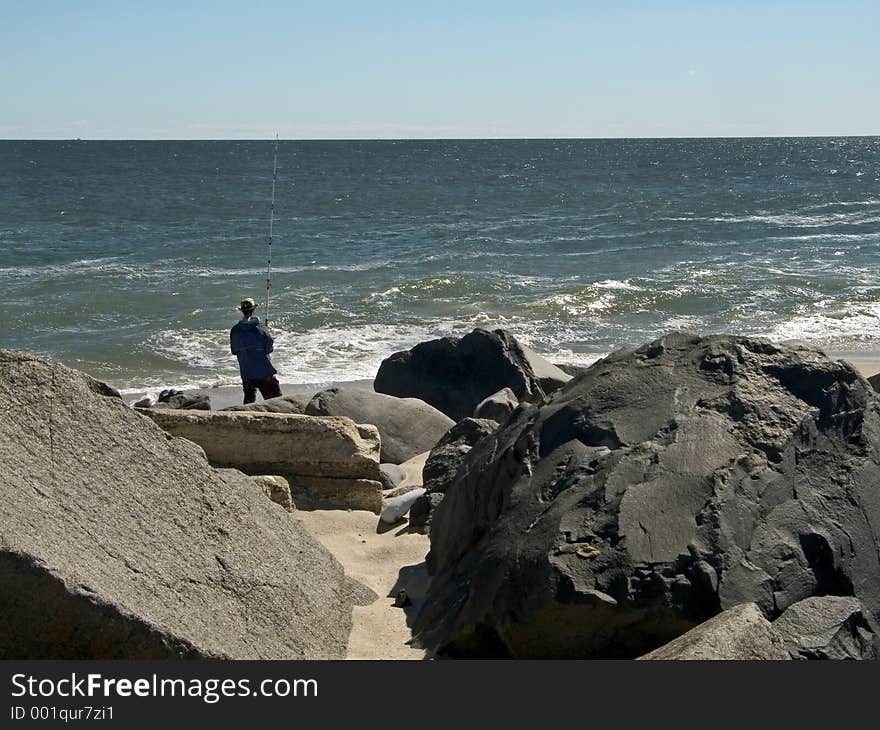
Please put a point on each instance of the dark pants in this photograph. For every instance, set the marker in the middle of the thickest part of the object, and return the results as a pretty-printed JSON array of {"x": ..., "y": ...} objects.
[{"x": 269, "y": 388}]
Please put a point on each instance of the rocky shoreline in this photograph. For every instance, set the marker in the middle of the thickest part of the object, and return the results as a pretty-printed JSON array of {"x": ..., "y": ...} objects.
[{"x": 698, "y": 497}]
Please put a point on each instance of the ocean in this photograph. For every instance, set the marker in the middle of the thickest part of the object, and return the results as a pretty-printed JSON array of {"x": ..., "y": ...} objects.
[{"x": 128, "y": 259}]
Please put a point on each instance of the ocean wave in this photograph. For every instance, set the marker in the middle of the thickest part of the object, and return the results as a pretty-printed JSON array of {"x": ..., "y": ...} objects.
[{"x": 851, "y": 326}]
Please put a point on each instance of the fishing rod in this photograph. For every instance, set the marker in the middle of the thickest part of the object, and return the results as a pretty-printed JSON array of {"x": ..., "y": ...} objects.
[{"x": 271, "y": 221}]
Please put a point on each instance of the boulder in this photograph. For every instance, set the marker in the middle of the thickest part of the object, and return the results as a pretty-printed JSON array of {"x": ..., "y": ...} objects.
[
  {"x": 659, "y": 488},
  {"x": 182, "y": 401},
  {"x": 118, "y": 541},
  {"x": 827, "y": 627},
  {"x": 454, "y": 374},
  {"x": 282, "y": 404},
  {"x": 739, "y": 633},
  {"x": 498, "y": 406},
  {"x": 277, "y": 489},
  {"x": 391, "y": 475},
  {"x": 874, "y": 380},
  {"x": 395, "y": 508},
  {"x": 443, "y": 462},
  {"x": 332, "y": 461},
  {"x": 407, "y": 426}
]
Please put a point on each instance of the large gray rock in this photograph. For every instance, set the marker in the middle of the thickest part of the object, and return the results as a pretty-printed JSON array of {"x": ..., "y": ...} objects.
[
  {"x": 442, "y": 464},
  {"x": 827, "y": 627},
  {"x": 657, "y": 489},
  {"x": 391, "y": 475},
  {"x": 454, "y": 374},
  {"x": 498, "y": 406},
  {"x": 874, "y": 380},
  {"x": 739, "y": 633},
  {"x": 118, "y": 541},
  {"x": 282, "y": 404},
  {"x": 407, "y": 426}
]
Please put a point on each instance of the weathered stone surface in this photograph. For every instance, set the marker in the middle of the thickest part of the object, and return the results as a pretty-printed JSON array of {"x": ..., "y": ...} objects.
[
  {"x": 657, "y": 489},
  {"x": 740, "y": 633},
  {"x": 827, "y": 627},
  {"x": 443, "y": 463},
  {"x": 277, "y": 489},
  {"x": 184, "y": 402},
  {"x": 283, "y": 404},
  {"x": 454, "y": 374},
  {"x": 323, "y": 492},
  {"x": 118, "y": 541},
  {"x": 874, "y": 380},
  {"x": 278, "y": 443},
  {"x": 498, "y": 406},
  {"x": 407, "y": 426}
]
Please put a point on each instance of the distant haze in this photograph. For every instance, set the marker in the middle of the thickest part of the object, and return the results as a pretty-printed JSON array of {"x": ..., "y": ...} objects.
[{"x": 227, "y": 70}]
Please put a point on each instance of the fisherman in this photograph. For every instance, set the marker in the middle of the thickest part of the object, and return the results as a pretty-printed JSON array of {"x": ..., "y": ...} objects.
[{"x": 251, "y": 342}]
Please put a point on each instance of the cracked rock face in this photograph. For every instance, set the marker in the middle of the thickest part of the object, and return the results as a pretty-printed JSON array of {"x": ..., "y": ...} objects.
[
  {"x": 660, "y": 487},
  {"x": 118, "y": 541}
]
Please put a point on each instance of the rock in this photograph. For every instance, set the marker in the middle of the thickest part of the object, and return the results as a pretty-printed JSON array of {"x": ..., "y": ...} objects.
[
  {"x": 329, "y": 493},
  {"x": 443, "y": 462},
  {"x": 454, "y": 374},
  {"x": 182, "y": 401},
  {"x": 874, "y": 380},
  {"x": 145, "y": 402},
  {"x": 549, "y": 377},
  {"x": 407, "y": 426},
  {"x": 391, "y": 475},
  {"x": 659, "y": 488},
  {"x": 739, "y": 633},
  {"x": 121, "y": 542},
  {"x": 498, "y": 406},
  {"x": 277, "y": 489},
  {"x": 394, "y": 509},
  {"x": 323, "y": 459},
  {"x": 827, "y": 627},
  {"x": 283, "y": 404},
  {"x": 571, "y": 369}
]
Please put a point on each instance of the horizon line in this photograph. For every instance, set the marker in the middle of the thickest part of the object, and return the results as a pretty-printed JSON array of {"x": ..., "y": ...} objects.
[{"x": 437, "y": 139}]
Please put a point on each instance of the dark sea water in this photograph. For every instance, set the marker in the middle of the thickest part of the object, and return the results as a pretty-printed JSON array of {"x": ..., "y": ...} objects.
[{"x": 127, "y": 259}]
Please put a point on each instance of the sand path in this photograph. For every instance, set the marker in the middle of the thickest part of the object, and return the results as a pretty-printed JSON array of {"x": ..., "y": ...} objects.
[{"x": 386, "y": 562}]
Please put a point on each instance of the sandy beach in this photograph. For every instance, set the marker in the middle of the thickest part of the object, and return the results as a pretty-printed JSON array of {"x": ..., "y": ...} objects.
[{"x": 384, "y": 558}]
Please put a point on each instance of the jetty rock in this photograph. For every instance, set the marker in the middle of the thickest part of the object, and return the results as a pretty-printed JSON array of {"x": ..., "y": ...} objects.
[
  {"x": 407, "y": 426},
  {"x": 330, "y": 461},
  {"x": 295, "y": 403},
  {"x": 820, "y": 627},
  {"x": 740, "y": 633},
  {"x": 655, "y": 490},
  {"x": 118, "y": 541},
  {"x": 456, "y": 374},
  {"x": 443, "y": 462}
]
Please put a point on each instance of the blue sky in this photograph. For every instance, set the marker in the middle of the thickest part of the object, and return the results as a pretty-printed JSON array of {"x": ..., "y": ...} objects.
[{"x": 218, "y": 70}]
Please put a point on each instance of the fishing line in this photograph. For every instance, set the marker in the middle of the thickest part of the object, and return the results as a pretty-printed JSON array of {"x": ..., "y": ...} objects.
[{"x": 271, "y": 221}]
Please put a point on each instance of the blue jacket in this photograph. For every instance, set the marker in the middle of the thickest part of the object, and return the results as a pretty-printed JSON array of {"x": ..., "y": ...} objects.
[{"x": 252, "y": 343}]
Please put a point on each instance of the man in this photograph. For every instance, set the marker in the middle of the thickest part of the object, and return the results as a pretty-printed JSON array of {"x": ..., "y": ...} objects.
[{"x": 251, "y": 342}]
